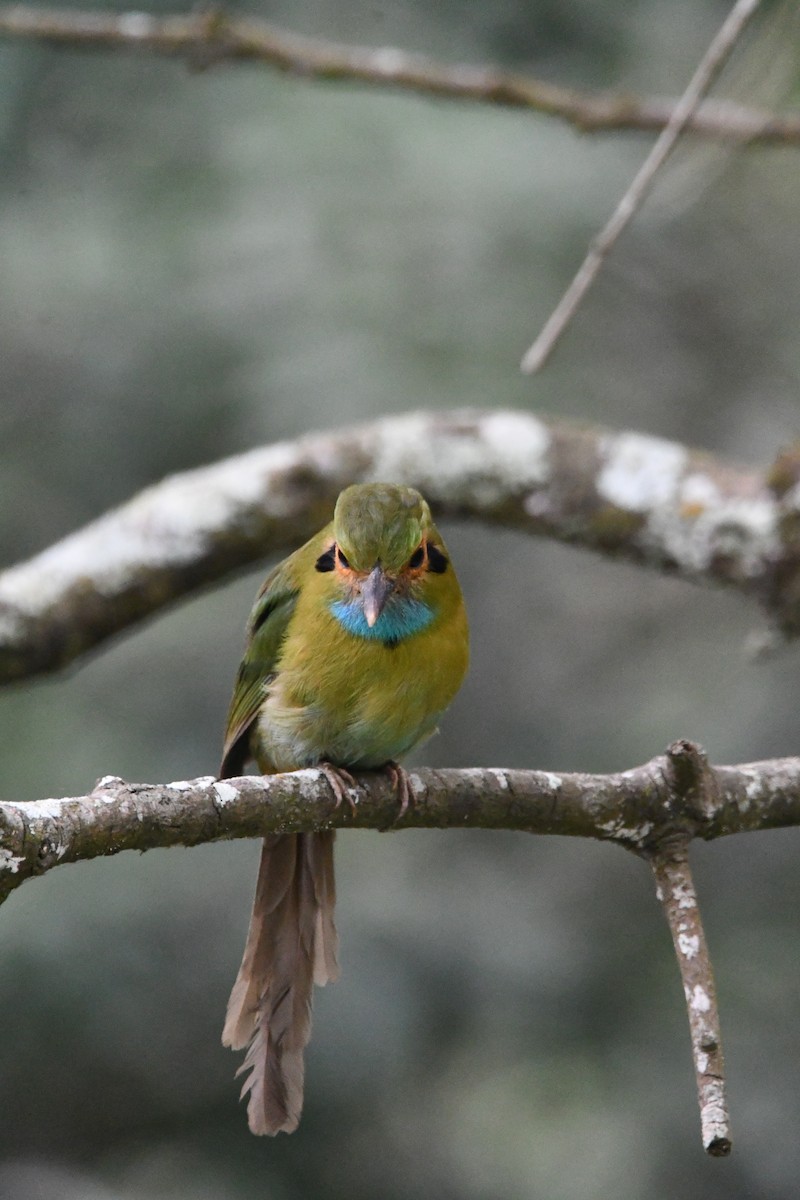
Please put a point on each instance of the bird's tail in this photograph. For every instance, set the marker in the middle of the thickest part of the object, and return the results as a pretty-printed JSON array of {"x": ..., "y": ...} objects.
[{"x": 291, "y": 945}]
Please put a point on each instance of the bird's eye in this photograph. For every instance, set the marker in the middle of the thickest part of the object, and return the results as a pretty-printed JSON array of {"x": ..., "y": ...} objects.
[
  {"x": 437, "y": 562},
  {"x": 417, "y": 558},
  {"x": 325, "y": 561},
  {"x": 341, "y": 559}
]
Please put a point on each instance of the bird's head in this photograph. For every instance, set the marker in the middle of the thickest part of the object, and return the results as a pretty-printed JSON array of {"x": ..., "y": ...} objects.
[{"x": 384, "y": 550}]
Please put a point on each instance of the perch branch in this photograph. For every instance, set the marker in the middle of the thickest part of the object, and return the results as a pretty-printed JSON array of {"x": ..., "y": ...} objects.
[
  {"x": 623, "y": 494},
  {"x": 653, "y": 810},
  {"x": 707, "y": 71},
  {"x": 640, "y": 809},
  {"x": 206, "y": 38}
]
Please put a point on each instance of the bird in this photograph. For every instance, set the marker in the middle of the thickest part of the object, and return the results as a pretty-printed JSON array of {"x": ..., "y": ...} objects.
[{"x": 356, "y": 645}]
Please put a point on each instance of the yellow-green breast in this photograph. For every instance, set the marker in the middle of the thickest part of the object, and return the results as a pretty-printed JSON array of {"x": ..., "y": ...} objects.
[{"x": 354, "y": 694}]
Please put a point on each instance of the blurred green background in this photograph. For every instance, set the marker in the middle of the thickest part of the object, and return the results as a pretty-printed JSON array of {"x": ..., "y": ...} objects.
[{"x": 195, "y": 263}]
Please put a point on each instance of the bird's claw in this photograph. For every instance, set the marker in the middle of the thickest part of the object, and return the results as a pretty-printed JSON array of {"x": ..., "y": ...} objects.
[
  {"x": 341, "y": 782},
  {"x": 402, "y": 785}
]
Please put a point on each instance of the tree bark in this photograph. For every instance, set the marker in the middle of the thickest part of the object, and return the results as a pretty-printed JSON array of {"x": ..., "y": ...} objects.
[{"x": 626, "y": 495}]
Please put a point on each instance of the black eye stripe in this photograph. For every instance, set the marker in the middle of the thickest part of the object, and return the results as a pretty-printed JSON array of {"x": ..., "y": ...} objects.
[
  {"x": 326, "y": 562},
  {"x": 437, "y": 562}
]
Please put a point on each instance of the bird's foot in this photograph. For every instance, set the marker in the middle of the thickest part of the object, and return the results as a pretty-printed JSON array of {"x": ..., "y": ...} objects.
[
  {"x": 341, "y": 782},
  {"x": 401, "y": 782}
]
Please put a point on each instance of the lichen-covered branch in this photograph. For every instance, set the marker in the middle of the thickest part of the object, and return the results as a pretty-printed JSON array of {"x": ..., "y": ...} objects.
[
  {"x": 208, "y": 37},
  {"x": 653, "y": 810},
  {"x": 623, "y": 494},
  {"x": 637, "y": 809}
]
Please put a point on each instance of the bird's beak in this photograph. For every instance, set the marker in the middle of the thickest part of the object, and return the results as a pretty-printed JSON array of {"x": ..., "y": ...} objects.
[{"x": 375, "y": 591}]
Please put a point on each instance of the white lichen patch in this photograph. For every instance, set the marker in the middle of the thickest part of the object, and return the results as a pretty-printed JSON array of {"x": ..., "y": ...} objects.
[
  {"x": 417, "y": 786},
  {"x": 401, "y": 449},
  {"x": 260, "y": 475},
  {"x": 696, "y": 493},
  {"x": 309, "y": 778},
  {"x": 10, "y": 862},
  {"x": 519, "y": 443},
  {"x": 163, "y": 526},
  {"x": 552, "y": 781},
  {"x": 683, "y": 895},
  {"x": 612, "y": 828},
  {"x": 226, "y": 792},
  {"x": 702, "y": 1062},
  {"x": 744, "y": 530},
  {"x": 698, "y": 999},
  {"x": 636, "y": 834},
  {"x": 500, "y": 776},
  {"x": 688, "y": 944},
  {"x": 752, "y": 788},
  {"x": 109, "y": 781},
  {"x": 40, "y": 810},
  {"x": 639, "y": 473},
  {"x": 488, "y": 458},
  {"x": 191, "y": 785},
  {"x": 689, "y": 521}
]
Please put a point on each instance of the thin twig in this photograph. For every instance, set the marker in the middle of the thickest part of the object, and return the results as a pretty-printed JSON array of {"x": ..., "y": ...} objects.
[
  {"x": 675, "y": 890},
  {"x": 209, "y": 38},
  {"x": 694, "y": 786},
  {"x": 710, "y": 65}
]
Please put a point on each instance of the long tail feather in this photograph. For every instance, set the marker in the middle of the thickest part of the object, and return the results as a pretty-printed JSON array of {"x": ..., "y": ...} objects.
[{"x": 291, "y": 944}]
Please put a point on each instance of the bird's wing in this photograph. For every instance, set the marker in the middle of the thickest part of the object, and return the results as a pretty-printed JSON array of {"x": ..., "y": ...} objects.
[{"x": 269, "y": 621}]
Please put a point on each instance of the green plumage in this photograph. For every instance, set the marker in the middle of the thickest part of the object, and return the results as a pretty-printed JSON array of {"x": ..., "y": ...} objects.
[
  {"x": 356, "y": 645},
  {"x": 309, "y": 690}
]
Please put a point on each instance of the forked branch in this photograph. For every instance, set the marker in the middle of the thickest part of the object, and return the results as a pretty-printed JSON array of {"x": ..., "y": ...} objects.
[{"x": 653, "y": 810}]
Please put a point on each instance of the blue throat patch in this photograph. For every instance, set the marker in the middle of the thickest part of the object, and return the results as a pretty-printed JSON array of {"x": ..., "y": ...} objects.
[{"x": 401, "y": 618}]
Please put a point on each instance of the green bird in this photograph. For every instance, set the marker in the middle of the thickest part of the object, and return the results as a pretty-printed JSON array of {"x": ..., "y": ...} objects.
[{"x": 357, "y": 643}]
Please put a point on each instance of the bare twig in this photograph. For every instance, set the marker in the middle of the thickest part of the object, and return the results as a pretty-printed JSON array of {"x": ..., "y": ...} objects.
[
  {"x": 209, "y": 38},
  {"x": 693, "y": 780},
  {"x": 622, "y": 494},
  {"x": 710, "y": 65},
  {"x": 675, "y": 890}
]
